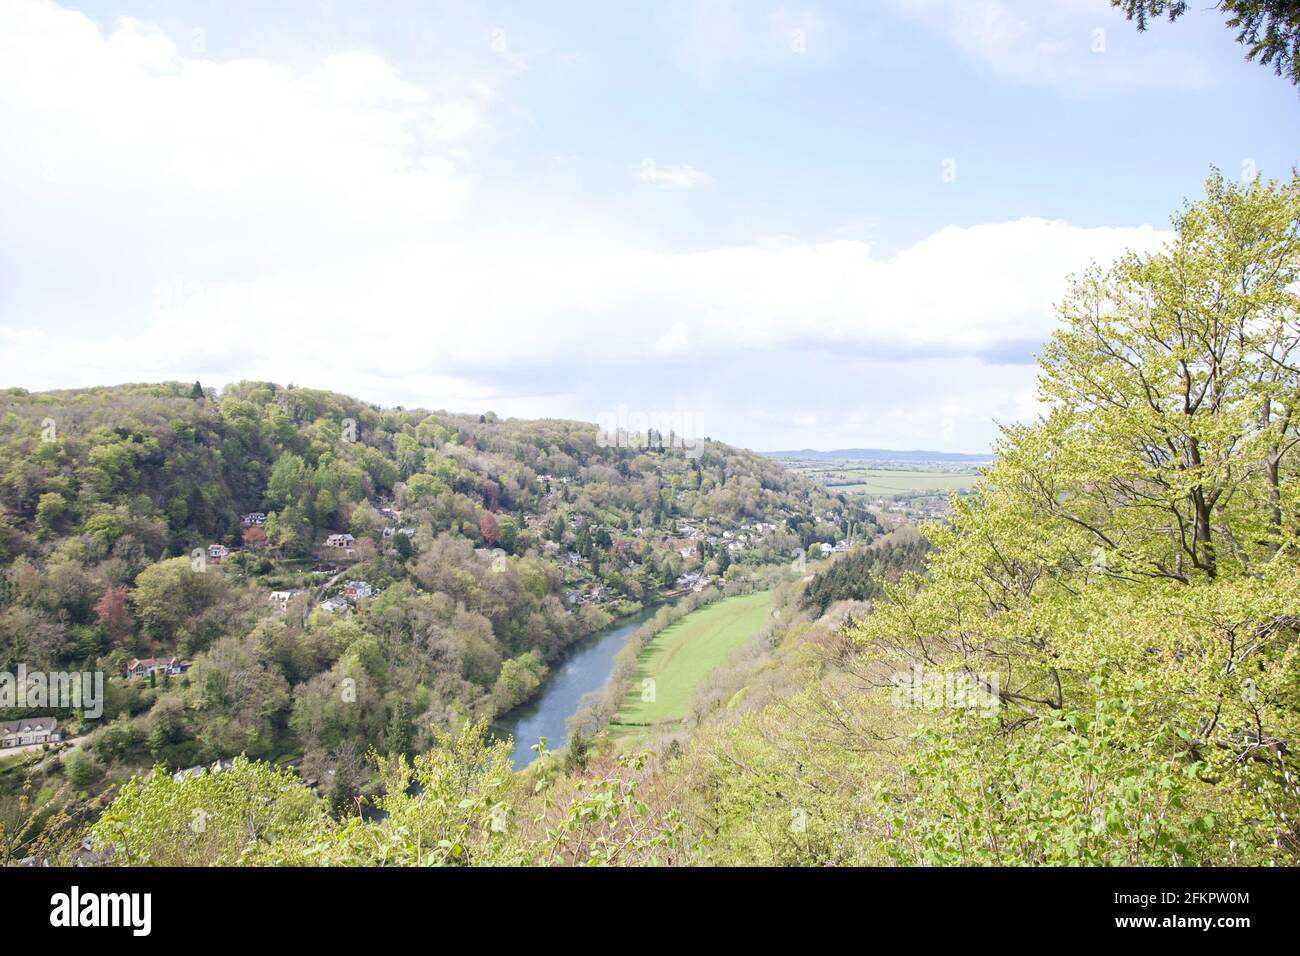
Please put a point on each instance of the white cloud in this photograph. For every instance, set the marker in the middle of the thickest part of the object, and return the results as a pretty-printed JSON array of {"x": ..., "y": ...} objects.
[
  {"x": 167, "y": 216},
  {"x": 672, "y": 177},
  {"x": 1058, "y": 43}
]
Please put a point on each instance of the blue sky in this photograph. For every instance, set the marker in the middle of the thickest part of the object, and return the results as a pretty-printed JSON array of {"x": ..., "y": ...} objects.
[{"x": 809, "y": 224}]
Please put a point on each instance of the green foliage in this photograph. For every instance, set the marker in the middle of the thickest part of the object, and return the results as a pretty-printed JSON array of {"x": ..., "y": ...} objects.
[
  {"x": 853, "y": 577},
  {"x": 1126, "y": 575},
  {"x": 215, "y": 819}
]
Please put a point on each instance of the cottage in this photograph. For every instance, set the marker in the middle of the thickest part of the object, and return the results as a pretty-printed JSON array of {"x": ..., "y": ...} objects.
[
  {"x": 217, "y": 551},
  {"x": 143, "y": 667},
  {"x": 335, "y": 605},
  {"x": 280, "y": 600},
  {"x": 340, "y": 541},
  {"x": 254, "y": 519},
  {"x": 30, "y": 730},
  {"x": 354, "y": 590}
]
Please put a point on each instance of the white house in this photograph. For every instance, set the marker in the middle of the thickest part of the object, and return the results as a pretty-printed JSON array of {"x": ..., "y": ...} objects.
[
  {"x": 30, "y": 730},
  {"x": 340, "y": 541},
  {"x": 334, "y": 605},
  {"x": 280, "y": 600},
  {"x": 143, "y": 667},
  {"x": 357, "y": 589}
]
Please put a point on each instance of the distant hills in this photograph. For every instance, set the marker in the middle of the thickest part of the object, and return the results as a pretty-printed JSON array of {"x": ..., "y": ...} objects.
[{"x": 877, "y": 454}]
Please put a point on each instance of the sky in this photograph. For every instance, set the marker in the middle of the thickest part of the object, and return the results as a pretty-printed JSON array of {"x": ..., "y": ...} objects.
[{"x": 791, "y": 225}]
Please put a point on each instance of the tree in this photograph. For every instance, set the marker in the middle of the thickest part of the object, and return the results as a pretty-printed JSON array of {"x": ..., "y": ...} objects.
[
  {"x": 1117, "y": 604},
  {"x": 489, "y": 529},
  {"x": 400, "y": 738},
  {"x": 114, "y": 616},
  {"x": 171, "y": 594},
  {"x": 80, "y": 768},
  {"x": 1269, "y": 28},
  {"x": 216, "y": 819},
  {"x": 288, "y": 482},
  {"x": 50, "y": 510}
]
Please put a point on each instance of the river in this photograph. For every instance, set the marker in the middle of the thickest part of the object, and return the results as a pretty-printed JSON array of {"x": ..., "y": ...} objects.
[{"x": 587, "y": 667}]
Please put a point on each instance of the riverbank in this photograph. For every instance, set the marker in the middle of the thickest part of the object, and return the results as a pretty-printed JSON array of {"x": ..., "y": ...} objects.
[{"x": 587, "y": 666}]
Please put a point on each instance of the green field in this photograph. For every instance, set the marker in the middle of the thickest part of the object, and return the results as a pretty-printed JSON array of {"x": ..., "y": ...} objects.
[
  {"x": 678, "y": 658},
  {"x": 882, "y": 481}
]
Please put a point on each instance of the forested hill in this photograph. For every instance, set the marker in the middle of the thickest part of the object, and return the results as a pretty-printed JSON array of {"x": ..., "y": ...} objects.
[{"x": 480, "y": 548}]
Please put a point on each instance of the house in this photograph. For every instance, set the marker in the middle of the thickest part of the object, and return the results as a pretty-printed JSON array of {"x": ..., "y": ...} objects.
[
  {"x": 143, "y": 667},
  {"x": 216, "y": 552},
  {"x": 354, "y": 590},
  {"x": 334, "y": 605},
  {"x": 280, "y": 600},
  {"x": 686, "y": 553},
  {"x": 30, "y": 730},
  {"x": 254, "y": 519},
  {"x": 340, "y": 541},
  {"x": 218, "y": 766}
]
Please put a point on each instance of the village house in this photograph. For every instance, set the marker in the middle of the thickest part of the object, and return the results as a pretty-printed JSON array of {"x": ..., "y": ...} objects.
[
  {"x": 695, "y": 580},
  {"x": 340, "y": 541},
  {"x": 254, "y": 519},
  {"x": 218, "y": 766},
  {"x": 29, "y": 730},
  {"x": 335, "y": 605},
  {"x": 143, "y": 667},
  {"x": 355, "y": 590},
  {"x": 280, "y": 600},
  {"x": 216, "y": 552}
]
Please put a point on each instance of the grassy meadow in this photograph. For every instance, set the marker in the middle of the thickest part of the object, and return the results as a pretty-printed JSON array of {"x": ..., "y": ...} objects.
[{"x": 681, "y": 656}]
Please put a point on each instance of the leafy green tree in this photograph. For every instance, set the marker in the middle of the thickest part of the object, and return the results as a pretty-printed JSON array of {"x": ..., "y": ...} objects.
[
  {"x": 217, "y": 819},
  {"x": 288, "y": 482},
  {"x": 1117, "y": 603},
  {"x": 171, "y": 594}
]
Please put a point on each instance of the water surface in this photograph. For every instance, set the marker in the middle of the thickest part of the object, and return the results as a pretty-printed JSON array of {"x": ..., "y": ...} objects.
[{"x": 588, "y": 667}]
